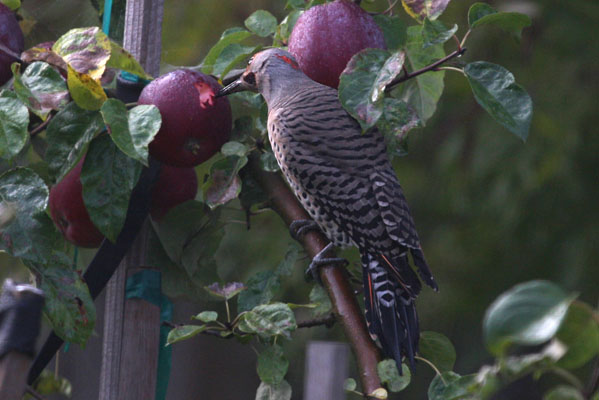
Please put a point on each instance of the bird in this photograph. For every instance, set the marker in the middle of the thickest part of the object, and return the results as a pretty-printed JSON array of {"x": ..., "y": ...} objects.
[{"x": 345, "y": 181}]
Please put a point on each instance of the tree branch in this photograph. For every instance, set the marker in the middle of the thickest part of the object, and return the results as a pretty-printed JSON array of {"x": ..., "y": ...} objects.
[
  {"x": 334, "y": 278},
  {"x": 327, "y": 320},
  {"x": 431, "y": 67}
]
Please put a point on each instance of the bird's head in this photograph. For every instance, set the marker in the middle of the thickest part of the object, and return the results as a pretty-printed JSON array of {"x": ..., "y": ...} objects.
[{"x": 267, "y": 72}]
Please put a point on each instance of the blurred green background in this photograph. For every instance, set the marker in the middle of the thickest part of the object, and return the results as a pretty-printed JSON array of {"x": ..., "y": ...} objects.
[{"x": 491, "y": 211}]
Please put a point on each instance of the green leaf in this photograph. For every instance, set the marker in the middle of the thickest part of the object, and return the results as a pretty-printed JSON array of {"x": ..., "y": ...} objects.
[
  {"x": 272, "y": 365},
  {"x": 262, "y": 23},
  {"x": 26, "y": 231},
  {"x": 261, "y": 288},
  {"x": 48, "y": 383},
  {"x": 226, "y": 291},
  {"x": 266, "y": 391},
  {"x": 435, "y": 32},
  {"x": 68, "y": 305},
  {"x": 482, "y": 14},
  {"x": 131, "y": 131},
  {"x": 191, "y": 236},
  {"x": 286, "y": 26},
  {"x": 14, "y": 119},
  {"x": 350, "y": 385},
  {"x": 269, "y": 320},
  {"x": 268, "y": 162},
  {"x": 397, "y": 120},
  {"x": 230, "y": 57},
  {"x": 234, "y": 148},
  {"x": 363, "y": 81},
  {"x": 563, "y": 392},
  {"x": 424, "y": 91},
  {"x": 121, "y": 59},
  {"x": 12, "y": 4},
  {"x": 86, "y": 50},
  {"x": 387, "y": 371},
  {"x": 296, "y": 4},
  {"x": 530, "y": 313},
  {"x": 580, "y": 333},
  {"x": 450, "y": 386},
  {"x": 234, "y": 35},
  {"x": 184, "y": 332},
  {"x": 68, "y": 135},
  {"x": 420, "y": 9},
  {"x": 495, "y": 89},
  {"x": 394, "y": 31},
  {"x": 320, "y": 297},
  {"x": 285, "y": 267},
  {"x": 41, "y": 87},
  {"x": 207, "y": 316},
  {"x": 224, "y": 184},
  {"x": 108, "y": 176},
  {"x": 437, "y": 348}
]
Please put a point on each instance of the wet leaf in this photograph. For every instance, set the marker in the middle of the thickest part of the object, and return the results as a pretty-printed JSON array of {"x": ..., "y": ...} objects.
[
  {"x": 133, "y": 130},
  {"x": 260, "y": 289},
  {"x": 269, "y": 320},
  {"x": 320, "y": 297},
  {"x": 41, "y": 88},
  {"x": 14, "y": 119},
  {"x": 121, "y": 59},
  {"x": 580, "y": 333},
  {"x": 363, "y": 81},
  {"x": 282, "y": 391},
  {"x": 512, "y": 22},
  {"x": 262, "y": 23},
  {"x": 438, "y": 349},
  {"x": 29, "y": 232},
  {"x": 495, "y": 89},
  {"x": 85, "y": 50},
  {"x": 85, "y": 91},
  {"x": 272, "y": 365},
  {"x": 530, "y": 313},
  {"x": 207, "y": 316},
  {"x": 43, "y": 54},
  {"x": 421, "y": 9},
  {"x": 68, "y": 135},
  {"x": 450, "y": 386},
  {"x": 68, "y": 304},
  {"x": 424, "y": 91},
  {"x": 226, "y": 291},
  {"x": 224, "y": 184},
  {"x": 387, "y": 371},
  {"x": 230, "y": 36},
  {"x": 230, "y": 57},
  {"x": 397, "y": 120},
  {"x": 184, "y": 332},
  {"x": 108, "y": 176},
  {"x": 394, "y": 30},
  {"x": 435, "y": 32},
  {"x": 234, "y": 148}
]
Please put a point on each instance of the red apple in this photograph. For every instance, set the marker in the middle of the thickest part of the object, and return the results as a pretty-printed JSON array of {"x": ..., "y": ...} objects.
[
  {"x": 195, "y": 124},
  {"x": 174, "y": 186},
  {"x": 11, "y": 37},
  {"x": 68, "y": 211},
  {"x": 326, "y": 37}
]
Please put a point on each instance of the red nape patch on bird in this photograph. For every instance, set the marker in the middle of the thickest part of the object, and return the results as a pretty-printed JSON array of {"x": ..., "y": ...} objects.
[
  {"x": 206, "y": 94},
  {"x": 289, "y": 61}
]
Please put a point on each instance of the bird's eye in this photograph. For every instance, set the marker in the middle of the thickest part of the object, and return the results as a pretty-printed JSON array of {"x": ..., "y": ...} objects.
[{"x": 249, "y": 78}]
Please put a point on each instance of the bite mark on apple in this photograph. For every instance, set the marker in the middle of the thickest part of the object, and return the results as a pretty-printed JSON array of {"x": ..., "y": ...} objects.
[{"x": 206, "y": 94}]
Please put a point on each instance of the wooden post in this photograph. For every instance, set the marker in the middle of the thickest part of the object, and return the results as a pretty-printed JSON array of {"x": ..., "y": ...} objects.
[
  {"x": 132, "y": 326},
  {"x": 326, "y": 369},
  {"x": 13, "y": 375}
]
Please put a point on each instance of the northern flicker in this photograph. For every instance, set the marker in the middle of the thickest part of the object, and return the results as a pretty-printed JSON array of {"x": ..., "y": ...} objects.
[{"x": 345, "y": 181}]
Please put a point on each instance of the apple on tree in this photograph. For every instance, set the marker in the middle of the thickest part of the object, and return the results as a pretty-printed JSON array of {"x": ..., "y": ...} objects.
[
  {"x": 68, "y": 211},
  {"x": 325, "y": 38},
  {"x": 12, "y": 38},
  {"x": 195, "y": 123},
  {"x": 173, "y": 187}
]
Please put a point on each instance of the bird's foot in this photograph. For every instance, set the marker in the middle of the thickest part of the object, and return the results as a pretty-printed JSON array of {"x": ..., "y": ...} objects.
[
  {"x": 320, "y": 260},
  {"x": 300, "y": 227}
]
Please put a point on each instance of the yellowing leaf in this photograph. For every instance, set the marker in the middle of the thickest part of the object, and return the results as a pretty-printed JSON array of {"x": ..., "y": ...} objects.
[{"x": 85, "y": 90}]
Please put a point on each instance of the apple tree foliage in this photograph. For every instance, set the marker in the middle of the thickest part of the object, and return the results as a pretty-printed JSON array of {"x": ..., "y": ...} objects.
[{"x": 48, "y": 123}]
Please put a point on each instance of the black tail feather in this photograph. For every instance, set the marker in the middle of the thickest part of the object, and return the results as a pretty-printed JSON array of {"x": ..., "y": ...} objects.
[
  {"x": 423, "y": 269},
  {"x": 390, "y": 311}
]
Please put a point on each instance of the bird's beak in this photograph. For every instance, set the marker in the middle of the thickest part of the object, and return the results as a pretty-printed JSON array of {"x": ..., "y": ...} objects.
[{"x": 233, "y": 87}]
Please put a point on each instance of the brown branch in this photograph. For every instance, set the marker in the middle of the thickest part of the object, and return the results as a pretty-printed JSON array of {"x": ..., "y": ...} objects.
[
  {"x": 41, "y": 126},
  {"x": 431, "y": 67},
  {"x": 327, "y": 320},
  {"x": 334, "y": 278}
]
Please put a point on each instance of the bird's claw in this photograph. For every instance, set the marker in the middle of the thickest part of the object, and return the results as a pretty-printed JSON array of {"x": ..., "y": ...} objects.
[
  {"x": 320, "y": 260},
  {"x": 299, "y": 227}
]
